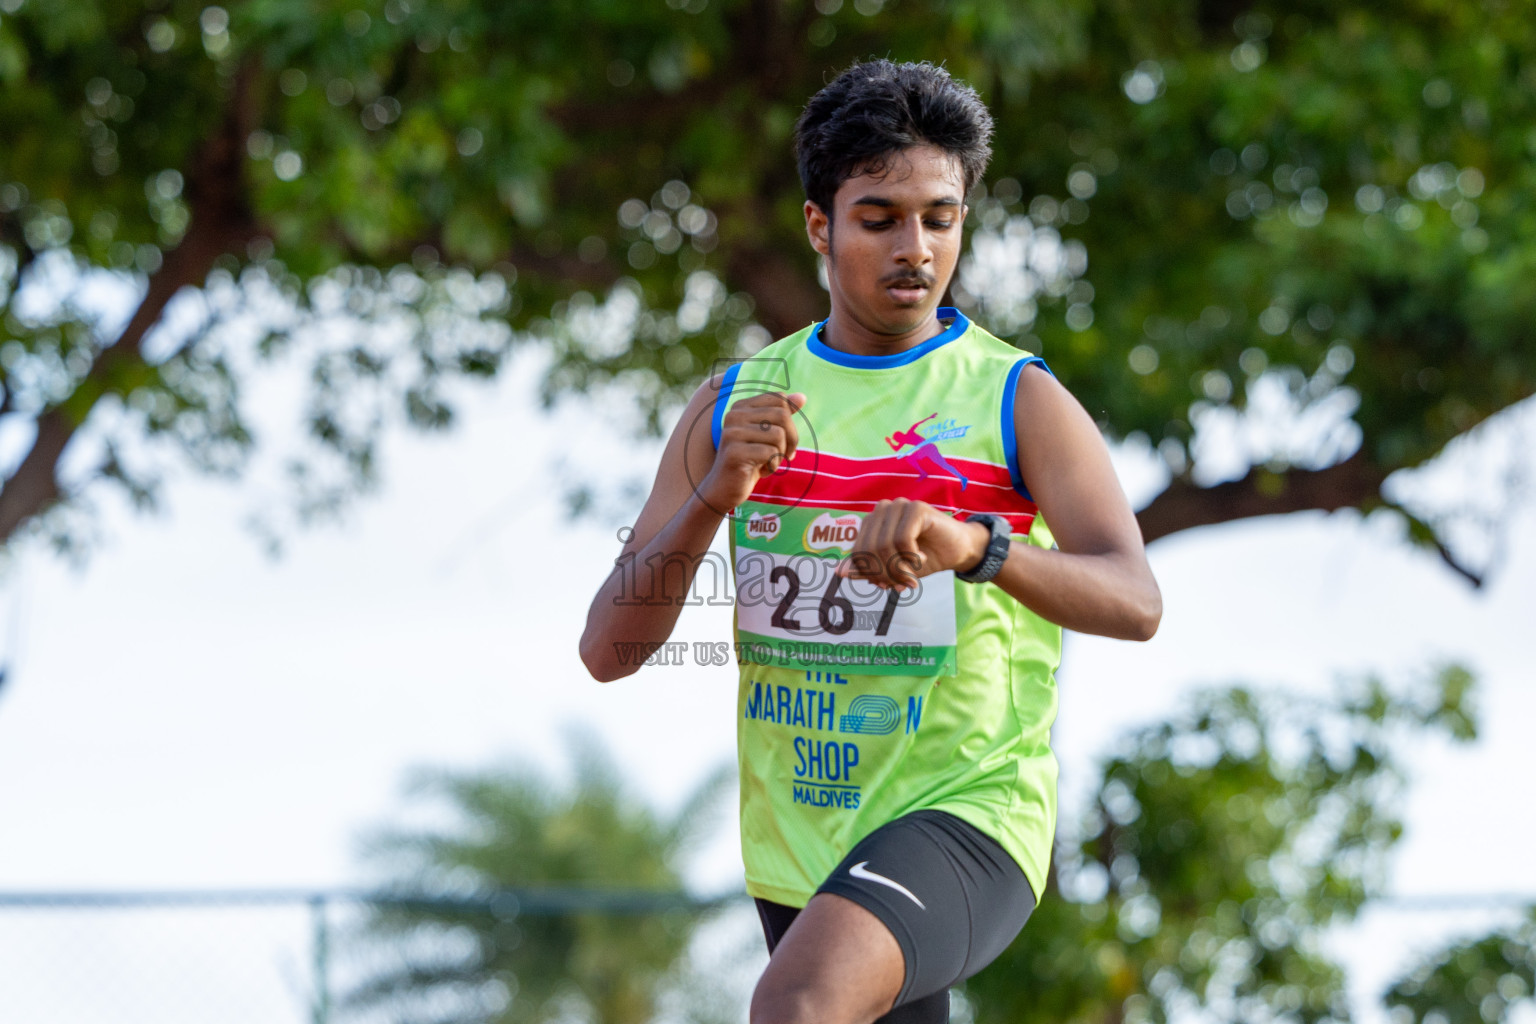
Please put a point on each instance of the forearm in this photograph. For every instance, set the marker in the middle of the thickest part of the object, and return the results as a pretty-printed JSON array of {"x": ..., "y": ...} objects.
[
  {"x": 1111, "y": 594},
  {"x": 640, "y": 601}
]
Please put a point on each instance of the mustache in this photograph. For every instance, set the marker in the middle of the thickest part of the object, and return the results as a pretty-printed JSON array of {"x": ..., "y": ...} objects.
[{"x": 907, "y": 279}]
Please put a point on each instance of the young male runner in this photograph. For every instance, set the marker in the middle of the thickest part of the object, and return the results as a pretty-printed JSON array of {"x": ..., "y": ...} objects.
[{"x": 902, "y": 623}]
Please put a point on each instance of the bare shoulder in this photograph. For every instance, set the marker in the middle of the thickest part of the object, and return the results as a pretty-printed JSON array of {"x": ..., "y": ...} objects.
[
  {"x": 1067, "y": 469},
  {"x": 1042, "y": 404}
]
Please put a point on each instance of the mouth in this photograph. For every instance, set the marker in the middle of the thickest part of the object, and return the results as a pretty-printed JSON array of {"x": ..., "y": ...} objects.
[{"x": 908, "y": 291}]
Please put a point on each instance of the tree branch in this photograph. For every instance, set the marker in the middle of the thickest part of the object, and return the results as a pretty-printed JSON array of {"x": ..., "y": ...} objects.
[
  {"x": 768, "y": 60},
  {"x": 1424, "y": 534},
  {"x": 33, "y": 488},
  {"x": 601, "y": 274},
  {"x": 1450, "y": 559},
  {"x": 221, "y": 221},
  {"x": 785, "y": 298},
  {"x": 1353, "y": 483}
]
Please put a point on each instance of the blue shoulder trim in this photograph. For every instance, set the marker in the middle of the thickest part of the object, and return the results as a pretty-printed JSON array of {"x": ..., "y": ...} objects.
[
  {"x": 726, "y": 384},
  {"x": 832, "y": 355},
  {"x": 1010, "y": 436}
]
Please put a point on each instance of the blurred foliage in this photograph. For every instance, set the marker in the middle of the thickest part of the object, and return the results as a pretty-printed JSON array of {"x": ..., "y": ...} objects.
[
  {"x": 1478, "y": 982},
  {"x": 1219, "y": 847},
  {"x": 1304, "y": 209},
  {"x": 1217, "y": 850},
  {"x": 521, "y": 828}
]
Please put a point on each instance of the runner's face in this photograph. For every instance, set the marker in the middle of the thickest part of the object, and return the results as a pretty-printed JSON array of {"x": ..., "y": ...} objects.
[{"x": 893, "y": 240}]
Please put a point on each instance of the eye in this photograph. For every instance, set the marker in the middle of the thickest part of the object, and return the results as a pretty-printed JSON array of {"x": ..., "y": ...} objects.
[
  {"x": 876, "y": 225},
  {"x": 940, "y": 225}
]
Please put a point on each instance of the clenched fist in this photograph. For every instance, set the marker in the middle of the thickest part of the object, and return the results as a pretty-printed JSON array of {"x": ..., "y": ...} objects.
[
  {"x": 902, "y": 540},
  {"x": 756, "y": 435}
]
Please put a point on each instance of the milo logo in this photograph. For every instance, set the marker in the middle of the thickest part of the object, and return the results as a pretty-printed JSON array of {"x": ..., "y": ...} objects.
[
  {"x": 763, "y": 524},
  {"x": 827, "y": 532}
]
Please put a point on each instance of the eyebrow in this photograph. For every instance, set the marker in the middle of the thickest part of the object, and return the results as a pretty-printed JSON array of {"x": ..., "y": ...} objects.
[{"x": 885, "y": 203}]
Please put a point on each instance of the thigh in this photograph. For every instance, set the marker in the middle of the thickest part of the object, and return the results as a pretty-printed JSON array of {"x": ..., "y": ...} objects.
[
  {"x": 835, "y": 964},
  {"x": 933, "y": 1009},
  {"x": 949, "y": 895}
]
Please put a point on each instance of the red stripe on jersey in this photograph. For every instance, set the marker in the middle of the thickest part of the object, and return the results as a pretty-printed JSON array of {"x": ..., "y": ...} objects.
[
  {"x": 839, "y": 465},
  {"x": 820, "y": 480}
]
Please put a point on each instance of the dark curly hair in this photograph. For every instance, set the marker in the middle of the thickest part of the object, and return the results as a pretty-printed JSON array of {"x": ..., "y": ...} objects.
[{"x": 876, "y": 109}]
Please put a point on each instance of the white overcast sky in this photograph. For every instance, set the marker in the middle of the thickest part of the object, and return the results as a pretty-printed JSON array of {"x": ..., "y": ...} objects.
[{"x": 185, "y": 712}]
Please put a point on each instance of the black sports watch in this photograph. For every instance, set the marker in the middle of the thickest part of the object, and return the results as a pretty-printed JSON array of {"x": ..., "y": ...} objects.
[{"x": 997, "y": 550}]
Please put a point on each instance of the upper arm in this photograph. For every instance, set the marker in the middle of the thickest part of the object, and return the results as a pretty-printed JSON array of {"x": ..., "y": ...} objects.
[
  {"x": 687, "y": 458},
  {"x": 1065, "y": 464}
]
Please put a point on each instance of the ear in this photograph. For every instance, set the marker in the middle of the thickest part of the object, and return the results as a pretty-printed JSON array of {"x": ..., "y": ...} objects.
[{"x": 818, "y": 228}]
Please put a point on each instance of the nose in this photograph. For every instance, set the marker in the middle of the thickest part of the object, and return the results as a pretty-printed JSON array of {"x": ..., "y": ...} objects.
[{"x": 914, "y": 244}]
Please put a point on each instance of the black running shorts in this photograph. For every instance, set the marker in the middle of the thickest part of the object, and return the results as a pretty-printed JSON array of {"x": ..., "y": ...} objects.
[{"x": 953, "y": 898}]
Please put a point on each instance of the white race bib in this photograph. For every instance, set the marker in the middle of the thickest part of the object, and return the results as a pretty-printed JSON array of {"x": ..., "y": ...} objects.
[{"x": 793, "y": 609}]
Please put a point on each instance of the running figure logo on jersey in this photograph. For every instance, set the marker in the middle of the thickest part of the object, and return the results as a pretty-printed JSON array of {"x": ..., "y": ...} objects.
[{"x": 924, "y": 450}]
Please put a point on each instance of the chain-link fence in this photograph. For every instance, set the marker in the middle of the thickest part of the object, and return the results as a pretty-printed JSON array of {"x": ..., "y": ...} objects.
[
  {"x": 293, "y": 956},
  {"x": 264, "y": 957}
]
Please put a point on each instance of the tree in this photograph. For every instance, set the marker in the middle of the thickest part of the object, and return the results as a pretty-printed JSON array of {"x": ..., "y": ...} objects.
[
  {"x": 1215, "y": 851},
  {"x": 453, "y": 961},
  {"x": 1309, "y": 218},
  {"x": 1219, "y": 846},
  {"x": 1481, "y": 981}
]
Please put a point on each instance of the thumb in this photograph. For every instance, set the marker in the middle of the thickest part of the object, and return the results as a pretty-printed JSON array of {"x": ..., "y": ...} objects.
[{"x": 796, "y": 401}]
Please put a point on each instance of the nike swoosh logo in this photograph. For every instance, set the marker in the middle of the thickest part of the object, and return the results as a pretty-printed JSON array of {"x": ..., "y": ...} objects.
[{"x": 859, "y": 871}]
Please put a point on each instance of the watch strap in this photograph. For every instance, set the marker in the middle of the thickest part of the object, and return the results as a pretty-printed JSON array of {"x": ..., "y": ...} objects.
[{"x": 996, "y": 553}]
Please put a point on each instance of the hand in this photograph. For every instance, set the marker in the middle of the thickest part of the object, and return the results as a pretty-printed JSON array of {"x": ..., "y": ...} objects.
[
  {"x": 902, "y": 540},
  {"x": 757, "y": 435}
]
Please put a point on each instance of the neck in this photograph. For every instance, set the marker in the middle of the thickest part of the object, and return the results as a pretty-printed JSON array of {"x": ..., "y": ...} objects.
[{"x": 845, "y": 333}]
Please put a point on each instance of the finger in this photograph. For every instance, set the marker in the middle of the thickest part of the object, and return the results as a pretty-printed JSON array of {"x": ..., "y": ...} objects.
[
  {"x": 859, "y": 565},
  {"x": 796, "y": 401},
  {"x": 759, "y": 457},
  {"x": 763, "y": 418},
  {"x": 772, "y": 400},
  {"x": 862, "y": 561},
  {"x": 908, "y": 558},
  {"x": 759, "y": 432},
  {"x": 902, "y": 551},
  {"x": 883, "y": 541},
  {"x": 787, "y": 405},
  {"x": 779, "y": 429}
]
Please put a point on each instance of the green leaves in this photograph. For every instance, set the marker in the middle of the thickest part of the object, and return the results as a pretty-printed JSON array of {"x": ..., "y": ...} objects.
[
  {"x": 1482, "y": 981},
  {"x": 1221, "y": 844},
  {"x": 1306, "y": 224},
  {"x": 519, "y": 829},
  {"x": 1219, "y": 847}
]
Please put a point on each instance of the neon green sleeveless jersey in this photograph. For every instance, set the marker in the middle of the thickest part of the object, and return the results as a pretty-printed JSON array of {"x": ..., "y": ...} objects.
[{"x": 858, "y": 705}]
